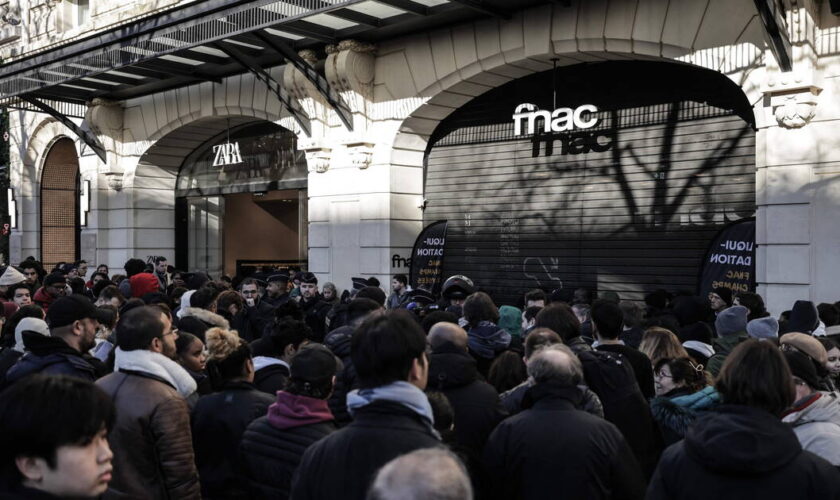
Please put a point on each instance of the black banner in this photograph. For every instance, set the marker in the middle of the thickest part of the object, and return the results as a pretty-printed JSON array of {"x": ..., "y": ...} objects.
[
  {"x": 730, "y": 260},
  {"x": 427, "y": 258}
]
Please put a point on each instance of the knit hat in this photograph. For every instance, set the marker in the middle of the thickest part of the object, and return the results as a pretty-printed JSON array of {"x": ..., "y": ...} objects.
[
  {"x": 725, "y": 294},
  {"x": 731, "y": 320},
  {"x": 143, "y": 283},
  {"x": 801, "y": 366},
  {"x": 806, "y": 344},
  {"x": 36, "y": 325},
  {"x": 763, "y": 328},
  {"x": 804, "y": 318},
  {"x": 11, "y": 277}
]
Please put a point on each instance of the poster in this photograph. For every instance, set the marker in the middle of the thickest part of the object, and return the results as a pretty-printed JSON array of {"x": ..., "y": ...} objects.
[
  {"x": 427, "y": 258},
  {"x": 730, "y": 259}
]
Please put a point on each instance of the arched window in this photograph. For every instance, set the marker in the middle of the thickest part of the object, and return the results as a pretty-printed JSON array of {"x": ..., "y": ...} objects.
[{"x": 60, "y": 204}]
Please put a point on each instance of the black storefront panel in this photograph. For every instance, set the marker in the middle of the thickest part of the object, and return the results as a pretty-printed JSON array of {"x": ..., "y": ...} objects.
[{"x": 632, "y": 212}]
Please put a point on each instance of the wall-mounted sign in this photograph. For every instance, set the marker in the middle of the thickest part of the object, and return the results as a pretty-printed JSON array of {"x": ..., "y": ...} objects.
[
  {"x": 559, "y": 120},
  {"x": 226, "y": 154}
]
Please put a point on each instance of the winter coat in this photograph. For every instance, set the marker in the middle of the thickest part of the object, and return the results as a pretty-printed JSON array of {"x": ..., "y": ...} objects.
[
  {"x": 640, "y": 363},
  {"x": 151, "y": 439},
  {"x": 273, "y": 445},
  {"x": 315, "y": 315},
  {"x": 218, "y": 422},
  {"x": 486, "y": 341},
  {"x": 741, "y": 452},
  {"x": 338, "y": 341},
  {"x": 816, "y": 422},
  {"x": 475, "y": 403},
  {"x": 250, "y": 322},
  {"x": 51, "y": 356},
  {"x": 678, "y": 409},
  {"x": 397, "y": 301},
  {"x": 723, "y": 346},
  {"x": 632, "y": 336},
  {"x": 512, "y": 400},
  {"x": 343, "y": 464},
  {"x": 271, "y": 374},
  {"x": 197, "y": 321},
  {"x": 528, "y": 455},
  {"x": 8, "y": 358},
  {"x": 274, "y": 302},
  {"x": 43, "y": 299}
]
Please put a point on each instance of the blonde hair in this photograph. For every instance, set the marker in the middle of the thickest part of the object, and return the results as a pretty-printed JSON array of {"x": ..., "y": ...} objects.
[
  {"x": 659, "y": 343},
  {"x": 222, "y": 343}
]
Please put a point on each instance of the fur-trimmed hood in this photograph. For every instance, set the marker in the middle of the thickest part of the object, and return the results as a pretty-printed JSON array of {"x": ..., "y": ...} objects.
[{"x": 206, "y": 316}]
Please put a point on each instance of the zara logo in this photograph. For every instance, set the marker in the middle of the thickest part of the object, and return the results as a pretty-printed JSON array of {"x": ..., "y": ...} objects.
[{"x": 226, "y": 154}]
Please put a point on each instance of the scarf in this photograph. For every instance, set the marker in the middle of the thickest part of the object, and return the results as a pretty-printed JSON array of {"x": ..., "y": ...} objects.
[
  {"x": 398, "y": 392},
  {"x": 158, "y": 365}
]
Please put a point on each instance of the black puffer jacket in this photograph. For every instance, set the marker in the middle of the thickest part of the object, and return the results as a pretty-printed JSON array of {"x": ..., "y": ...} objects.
[
  {"x": 315, "y": 315},
  {"x": 740, "y": 452},
  {"x": 218, "y": 422},
  {"x": 52, "y": 356},
  {"x": 338, "y": 341}
]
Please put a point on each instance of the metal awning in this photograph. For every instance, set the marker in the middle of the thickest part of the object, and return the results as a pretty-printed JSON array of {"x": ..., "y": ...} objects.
[{"x": 213, "y": 39}]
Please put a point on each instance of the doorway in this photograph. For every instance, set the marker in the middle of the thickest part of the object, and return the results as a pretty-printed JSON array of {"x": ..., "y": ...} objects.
[{"x": 60, "y": 227}]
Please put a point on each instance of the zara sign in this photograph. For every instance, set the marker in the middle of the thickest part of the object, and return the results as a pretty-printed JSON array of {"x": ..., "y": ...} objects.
[
  {"x": 560, "y": 120},
  {"x": 226, "y": 154}
]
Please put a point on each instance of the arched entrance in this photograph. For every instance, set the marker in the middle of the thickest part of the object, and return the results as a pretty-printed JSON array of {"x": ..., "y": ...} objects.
[{"x": 60, "y": 226}]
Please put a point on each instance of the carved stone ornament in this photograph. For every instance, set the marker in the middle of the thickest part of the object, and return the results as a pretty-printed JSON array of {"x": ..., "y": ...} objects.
[
  {"x": 352, "y": 45},
  {"x": 794, "y": 104},
  {"x": 317, "y": 156},
  {"x": 115, "y": 181},
  {"x": 361, "y": 154}
]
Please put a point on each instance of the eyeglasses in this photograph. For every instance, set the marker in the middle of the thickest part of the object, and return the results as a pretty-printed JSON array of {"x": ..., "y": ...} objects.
[{"x": 662, "y": 375}]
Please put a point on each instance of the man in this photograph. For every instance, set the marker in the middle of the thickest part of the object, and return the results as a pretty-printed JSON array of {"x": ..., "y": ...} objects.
[
  {"x": 731, "y": 327},
  {"x": 527, "y": 455},
  {"x": 32, "y": 271},
  {"x": 535, "y": 298},
  {"x": 607, "y": 319},
  {"x": 314, "y": 308},
  {"x": 632, "y": 333},
  {"x": 9, "y": 278},
  {"x": 54, "y": 441},
  {"x": 161, "y": 273},
  {"x": 55, "y": 286},
  {"x": 420, "y": 475},
  {"x": 20, "y": 294},
  {"x": 255, "y": 315},
  {"x": 81, "y": 268},
  {"x": 274, "y": 351},
  {"x": 392, "y": 415},
  {"x": 152, "y": 441},
  {"x": 277, "y": 290},
  {"x": 272, "y": 446},
  {"x": 454, "y": 372},
  {"x": 73, "y": 322},
  {"x": 400, "y": 296},
  {"x": 131, "y": 267},
  {"x": 720, "y": 299}
]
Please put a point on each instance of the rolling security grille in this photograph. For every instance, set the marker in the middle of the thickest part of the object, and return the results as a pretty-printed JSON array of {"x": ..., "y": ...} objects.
[
  {"x": 629, "y": 205},
  {"x": 59, "y": 205}
]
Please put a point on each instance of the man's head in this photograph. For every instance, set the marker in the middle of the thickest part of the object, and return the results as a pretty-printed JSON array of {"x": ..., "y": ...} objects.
[
  {"x": 308, "y": 285},
  {"x": 390, "y": 348},
  {"x": 278, "y": 284},
  {"x": 81, "y": 268},
  {"x": 360, "y": 309},
  {"x": 806, "y": 381},
  {"x": 632, "y": 313},
  {"x": 250, "y": 291},
  {"x": 134, "y": 266},
  {"x": 731, "y": 321},
  {"x": 755, "y": 374},
  {"x": 147, "y": 328},
  {"x": 312, "y": 372},
  {"x": 555, "y": 364},
  {"x": 443, "y": 332},
  {"x": 54, "y": 436},
  {"x": 55, "y": 284},
  {"x": 286, "y": 337},
  {"x": 75, "y": 319},
  {"x": 160, "y": 264},
  {"x": 20, "y": 294},
  {"x": 539, "y": 338},
  {"x": 399, "y": 283},
  {"x": 535, "y": 297},
  {"x": 529, "y": 316},
  {"x": 607, "y": 319},
  {"x": 430, "y": 473},
  {"x": 31, "y": 270},
  {"x": 559, "y": 318}
]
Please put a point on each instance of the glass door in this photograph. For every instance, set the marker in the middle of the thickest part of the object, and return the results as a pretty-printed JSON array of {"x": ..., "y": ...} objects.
[{"x": 205, "y": 234}]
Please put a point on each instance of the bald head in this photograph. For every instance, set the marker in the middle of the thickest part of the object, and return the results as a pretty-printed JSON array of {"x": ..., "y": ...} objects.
[
  {"x": 443, "y": 332},
  {"x": 557, "y": 364},
  {"x": 420, "y": 475}
]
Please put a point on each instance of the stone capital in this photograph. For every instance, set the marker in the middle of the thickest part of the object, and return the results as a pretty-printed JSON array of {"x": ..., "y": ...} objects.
[
  {"x": 318, "y": 155},
  {"x": 793, "y": 99}
]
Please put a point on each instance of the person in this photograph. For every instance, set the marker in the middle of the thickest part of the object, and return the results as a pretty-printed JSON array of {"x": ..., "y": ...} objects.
[
  {"x": 607, "y": 319},
  {"x": 510, "y": 320},
  {"x": 400, "y": 296},
  {"x": 276, "y": 290},
  {"x": 766, "y": 327},
  {"x": 151, "y": 439},
  {"x": 191, "y": 354},
  {"x": 743, "y": 449},
  {"x": 420, "y": 475},
  {"x": 632, "y": 331},
  {"x": 55, "y": 286},
  {"x": 754, "y": 303},
  {"x": 682, "y": 394},
  {"x": 720, "y": 299},
  {"x": 11, "y": 355},
  {"x": 527, "y": 455},
  {"x": 39, "y": 459},
  {"x": 73, "y": 322},
  {"x": 814, "y": 350},
  {"x": 110, "y": 294},
  {"x": 220, "y": 419},
  {"x": 33, "y": 272},
  {"x": 132, "y": 266},
  {"x": 832, "y": 363},
  {"x": 454, "y": 372},
  {"x": 485, "y": 339},
  {"x": 163, "y": 277},
  {"x": 559, "y": 318},
  {"x": 273, "y": 445},
  {"x": 804, "y": 318},
  {"x": 330, "y": 294},
  {"x": 507, "y": 372},
  {"x": 391, "y": 414},
  {"x": 815, "y": 415},
  {"x": 731, "y": 327},
  {"x": 535, "y": 298},
  {"x": 81, "y": 268},
  {"x": 660, "y": 343},
  {"x": 103, "y": 268},
  {"x": 199, "y": 315},
  {"x": 20, "y": 294},
  {"x": 314, "y": 308},
  {"x": 274, "y": 351},
  {"x": 255, "y": 314}
]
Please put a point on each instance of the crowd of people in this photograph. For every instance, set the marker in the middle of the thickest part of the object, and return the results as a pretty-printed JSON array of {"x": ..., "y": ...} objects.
[{"x": 158, "y": 383}]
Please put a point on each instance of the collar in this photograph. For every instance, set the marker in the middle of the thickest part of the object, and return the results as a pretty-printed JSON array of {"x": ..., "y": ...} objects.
[{"x": 141, "y": 360}]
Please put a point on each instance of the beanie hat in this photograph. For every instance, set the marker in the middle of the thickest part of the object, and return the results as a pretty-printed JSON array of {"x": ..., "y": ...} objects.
[
  {"x": 801, "y": 366},
  {"x": 143, "y": 283},
  {"x": 732, "y": 320},
  {"x": 510, "y": 318},
  {"x": 804, "y": 317},
  {"x": 725, "y": 294},
  {"x": 763, "y": 328},
  {"x": 36, "y": 325},
  {"x": 11, "y": 276},
  {"x": 807, "y": 345}
]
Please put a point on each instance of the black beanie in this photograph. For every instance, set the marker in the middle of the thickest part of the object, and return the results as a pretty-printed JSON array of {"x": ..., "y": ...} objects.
[
  {"x": 725, "y": 294},
  {"x": 801, "y": 366}
]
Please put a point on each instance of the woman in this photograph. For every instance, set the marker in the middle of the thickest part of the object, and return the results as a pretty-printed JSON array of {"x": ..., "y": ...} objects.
[
  {"x": 659, "y": 343},
  {"x": 329, "y": 293},
  {"x": 743, "y": 448},
  {"x": 485, "y": 340},
  {"x": 682, "y": 392},
  {"x": 220, "y": 419},
  {"x": 832, "y": 364},
  {"x": 191, "y": 354}
]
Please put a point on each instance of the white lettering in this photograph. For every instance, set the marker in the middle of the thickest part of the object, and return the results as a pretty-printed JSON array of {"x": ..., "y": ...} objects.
[
  {"x": 560, "y": 120},
  {"x": 226, "y": 154}
]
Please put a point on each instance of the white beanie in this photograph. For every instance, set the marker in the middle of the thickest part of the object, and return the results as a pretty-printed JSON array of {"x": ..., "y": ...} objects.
[{"x": 36, "y": 325}]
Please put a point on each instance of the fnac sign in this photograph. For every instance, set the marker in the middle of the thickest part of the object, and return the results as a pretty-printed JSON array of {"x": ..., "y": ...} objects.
[{"x": 559, "y": 120}]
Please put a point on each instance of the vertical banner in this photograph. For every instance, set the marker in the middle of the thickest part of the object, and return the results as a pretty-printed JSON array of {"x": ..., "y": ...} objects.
[
  {"x": 427, "y": 258},
  {"x": 730, "y": 259}
]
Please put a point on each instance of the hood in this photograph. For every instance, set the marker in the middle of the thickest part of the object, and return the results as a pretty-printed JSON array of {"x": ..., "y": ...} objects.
[
  {"x": 292, "y": 410},
  {"x": 486, "y": 339},
  {"x": 41, "y": 296},
  {"x": 825, "y": 408},
  {"x": 739, "y": 440},
  {"x": 206, "y": 316},
  {"x": 39, "y": 345},
  {"x": 261, "y": 362},
  {"x": 338, "y": 341},
  {"x": 451, "y": 367}
]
